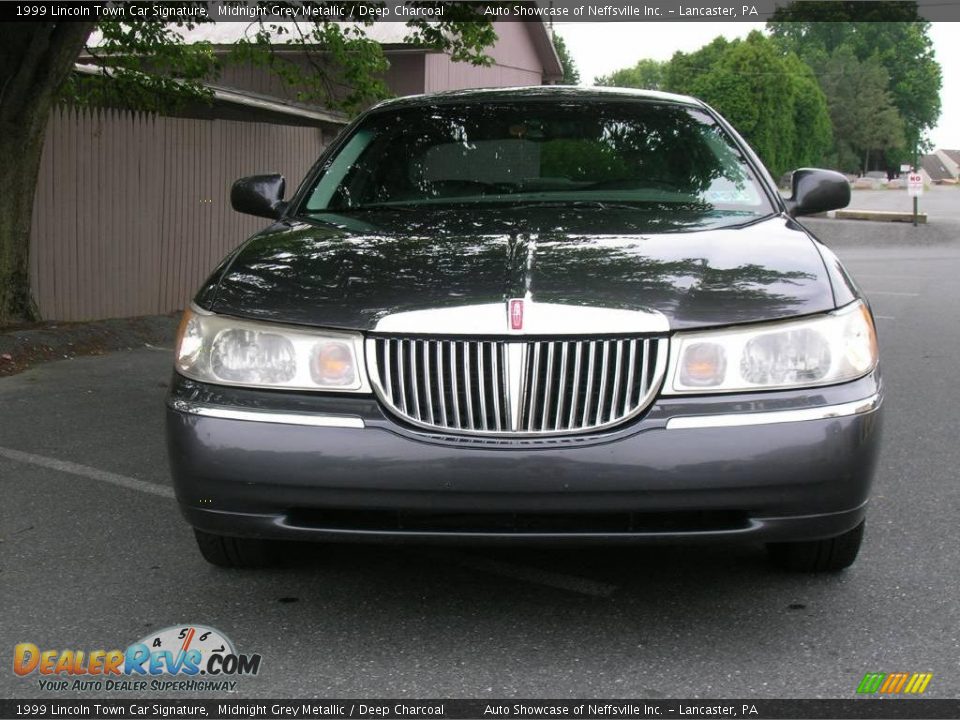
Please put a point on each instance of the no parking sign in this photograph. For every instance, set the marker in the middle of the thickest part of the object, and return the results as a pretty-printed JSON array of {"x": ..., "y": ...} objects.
[{"x": 915, "y": 184}]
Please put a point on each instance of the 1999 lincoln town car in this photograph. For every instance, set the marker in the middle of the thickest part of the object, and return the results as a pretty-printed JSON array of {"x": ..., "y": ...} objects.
[{"x": 539, "y": 314}]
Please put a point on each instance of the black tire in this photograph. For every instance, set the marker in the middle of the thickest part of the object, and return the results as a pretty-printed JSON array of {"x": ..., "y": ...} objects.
[
  {"x": 234, "y": 552},
  {"x": 830, "y": 555}
]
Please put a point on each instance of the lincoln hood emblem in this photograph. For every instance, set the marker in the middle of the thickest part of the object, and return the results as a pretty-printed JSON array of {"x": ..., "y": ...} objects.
[{"x": 516, "y": 315}]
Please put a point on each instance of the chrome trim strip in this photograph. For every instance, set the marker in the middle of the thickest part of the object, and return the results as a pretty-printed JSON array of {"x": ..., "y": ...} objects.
[
  {"x": 266, "y": 416},
  {"x": 538, "y": 319},
  {"x": 857, "y": 407}
]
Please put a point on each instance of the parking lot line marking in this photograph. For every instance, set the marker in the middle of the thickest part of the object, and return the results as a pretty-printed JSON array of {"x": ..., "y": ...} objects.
[
  {"x": 884, "y": 317},
  {"x": 890, "y": 292},
  {"x": 87, "y": 472},
  {"x": 529, "y": 574}
]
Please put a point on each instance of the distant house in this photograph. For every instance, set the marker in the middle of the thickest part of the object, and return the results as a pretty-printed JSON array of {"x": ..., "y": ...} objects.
[
  {"x": 523, "y": 55},
  {"x": 132, "y": 210},
  {"x": 941, "y": 167},
  {"x": 950, "y": 160}
]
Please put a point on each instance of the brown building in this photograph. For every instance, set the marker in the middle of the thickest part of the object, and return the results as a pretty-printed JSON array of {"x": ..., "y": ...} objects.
[{"x": 132, "y": 210}]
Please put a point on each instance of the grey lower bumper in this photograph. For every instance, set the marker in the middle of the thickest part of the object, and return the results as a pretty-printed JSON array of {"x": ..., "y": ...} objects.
[{"x": 800, "y": 476}]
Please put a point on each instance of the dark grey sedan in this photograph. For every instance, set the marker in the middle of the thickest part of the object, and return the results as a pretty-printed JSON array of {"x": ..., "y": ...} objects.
[{"x": 531, "y": 315}]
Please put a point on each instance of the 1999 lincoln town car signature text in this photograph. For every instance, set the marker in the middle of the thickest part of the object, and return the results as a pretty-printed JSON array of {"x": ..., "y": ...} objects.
[{"x": 530, "y": 315}]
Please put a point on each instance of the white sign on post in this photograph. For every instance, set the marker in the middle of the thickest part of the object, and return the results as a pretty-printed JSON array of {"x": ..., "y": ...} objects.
[{"x": 914, "y": 184}]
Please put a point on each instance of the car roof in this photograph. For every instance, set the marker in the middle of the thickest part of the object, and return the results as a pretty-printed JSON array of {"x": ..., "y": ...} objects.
[{"x": 538, "y": 92}]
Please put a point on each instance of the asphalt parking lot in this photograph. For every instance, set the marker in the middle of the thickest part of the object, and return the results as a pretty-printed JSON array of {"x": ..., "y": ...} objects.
[{"x": 93, "y": 553}]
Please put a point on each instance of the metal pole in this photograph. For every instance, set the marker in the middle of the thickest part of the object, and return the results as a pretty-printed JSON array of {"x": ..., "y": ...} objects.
[{"x": 916, "y": 169}]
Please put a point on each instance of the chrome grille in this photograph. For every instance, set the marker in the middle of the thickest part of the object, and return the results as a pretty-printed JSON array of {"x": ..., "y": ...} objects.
[{"x": 513, "y": 386}]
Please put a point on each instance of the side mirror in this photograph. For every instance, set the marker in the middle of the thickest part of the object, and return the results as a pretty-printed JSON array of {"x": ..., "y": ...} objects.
[
  {"x": 260, "y": 195},
  {"x": 816, "y": 191}
]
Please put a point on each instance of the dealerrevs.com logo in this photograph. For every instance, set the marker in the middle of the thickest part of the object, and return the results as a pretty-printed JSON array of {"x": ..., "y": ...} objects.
[{"x": 178, "y": 658}]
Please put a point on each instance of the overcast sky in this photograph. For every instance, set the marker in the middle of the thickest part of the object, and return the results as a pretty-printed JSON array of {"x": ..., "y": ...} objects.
[{"x": 601, "y": 47}]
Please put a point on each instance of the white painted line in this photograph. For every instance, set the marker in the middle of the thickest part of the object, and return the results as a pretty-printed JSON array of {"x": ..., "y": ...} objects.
[
  {"x": 890, "y": 292},
  {"x": 529, "y": 574},
  {"x": 88, "y": 472},
  {"x": 884, "y": 317}
]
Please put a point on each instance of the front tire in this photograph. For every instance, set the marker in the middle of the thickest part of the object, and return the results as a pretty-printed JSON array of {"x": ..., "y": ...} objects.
[
  {"x": 234, "y": 552},
  {"x": 829, "y": 555}
]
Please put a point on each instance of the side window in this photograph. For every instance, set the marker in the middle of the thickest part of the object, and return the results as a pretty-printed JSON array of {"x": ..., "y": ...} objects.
[{"x": 336, "y": 173}]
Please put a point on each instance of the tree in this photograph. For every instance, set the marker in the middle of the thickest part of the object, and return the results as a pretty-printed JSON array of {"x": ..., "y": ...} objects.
[
  {"x": 646, "y": 74},
  {"x": 149, "y": 64},
  {"x": 571, "y": 75},
  {"x": 771, "y": 98},
  {"x": 891, "y": 32},
  {"x": 869, "y": 121}
]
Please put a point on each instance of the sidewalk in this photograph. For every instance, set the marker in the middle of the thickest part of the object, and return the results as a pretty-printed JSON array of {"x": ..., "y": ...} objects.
[{"x": 21, "y": 348}]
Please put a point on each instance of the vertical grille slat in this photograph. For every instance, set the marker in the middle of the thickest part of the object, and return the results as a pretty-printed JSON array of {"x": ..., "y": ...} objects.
[
  {"x": 617, "y": 368},
  {"x": 414, "y": 373},
  {"x": 561, "y": 391},
  {"x": 454, "y": 385},
  {"x": 643, "y": 365},
  {"x": 387, "y": 363},
  {"x": 588, "y": 394},
  {"x": 482, "y": 381},
  {"x": 401, "y": 377},
  {"x": 602, "y": 394},
  {"x": 495, "y": 349},
  {"x": 442, "y": 385},
  {"x": 631, "y": 364},
  {"x": 566, "y": 385},
  {"x": 468, "y": 386},
  {"x": 427, "y": 384},
  {"x": 548, "y": 384},
  {"x": 575, "y": 389},
  {"x": 531, "y": 399}
]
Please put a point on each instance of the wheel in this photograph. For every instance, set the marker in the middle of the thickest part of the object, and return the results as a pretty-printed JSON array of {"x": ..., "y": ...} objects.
[
  {"x": 234, "y": 552},
  {"x": 829, "y": 555}
]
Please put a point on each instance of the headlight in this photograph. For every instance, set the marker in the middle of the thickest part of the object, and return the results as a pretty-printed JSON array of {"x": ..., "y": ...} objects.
[
  {"x": 821, "y": 350},
  {"x": 228, "y": 351}
]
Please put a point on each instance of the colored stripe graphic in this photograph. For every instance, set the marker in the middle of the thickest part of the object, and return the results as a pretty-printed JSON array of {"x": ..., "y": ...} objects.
[
  {"x": 871, "y": 682},
  {"x": 894, "y": 683},
  {"x": 918, "y": 683}
]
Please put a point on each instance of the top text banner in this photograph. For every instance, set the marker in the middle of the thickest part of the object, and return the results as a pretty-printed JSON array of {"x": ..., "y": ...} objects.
[{"x": 557, "y": 11}]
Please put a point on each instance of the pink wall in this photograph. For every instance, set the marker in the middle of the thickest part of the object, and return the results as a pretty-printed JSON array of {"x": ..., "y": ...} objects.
[{"x": 516, "y": 63}]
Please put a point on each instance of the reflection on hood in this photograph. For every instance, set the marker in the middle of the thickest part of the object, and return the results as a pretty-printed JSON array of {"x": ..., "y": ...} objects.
[{"x": 347, "y": 272}]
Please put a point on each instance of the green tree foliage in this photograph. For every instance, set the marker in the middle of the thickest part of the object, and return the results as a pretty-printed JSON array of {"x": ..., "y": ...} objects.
[
  {"x": 870, "y": 122},
  {"x": 646, "y": 74},
  {"x": 571, "y": 75},
  {"x": 891, "y": 32},
  {"x": 773, "y": 99},
  {"x": 147, "y": 64}
]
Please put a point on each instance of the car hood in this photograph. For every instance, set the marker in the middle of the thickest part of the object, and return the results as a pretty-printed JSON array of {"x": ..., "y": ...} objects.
[{"x": 347, "y": 273}]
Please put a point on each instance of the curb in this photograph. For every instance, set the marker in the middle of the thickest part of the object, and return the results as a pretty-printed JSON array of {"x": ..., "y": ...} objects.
[{"x": 879, "y": 216}]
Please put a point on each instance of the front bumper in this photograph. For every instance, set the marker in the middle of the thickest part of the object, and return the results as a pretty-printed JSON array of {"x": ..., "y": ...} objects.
[{"x": 767, "y": 466}]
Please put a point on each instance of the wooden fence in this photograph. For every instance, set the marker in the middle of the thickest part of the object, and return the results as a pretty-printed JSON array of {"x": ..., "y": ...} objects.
[{"x": 132, "y": 211}]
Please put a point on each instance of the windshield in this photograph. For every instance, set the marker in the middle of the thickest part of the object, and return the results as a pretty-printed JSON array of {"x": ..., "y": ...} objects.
[{"x": 615, "y": 156}]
